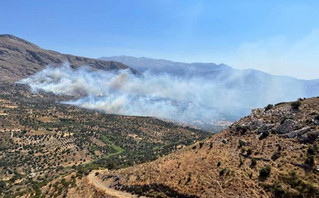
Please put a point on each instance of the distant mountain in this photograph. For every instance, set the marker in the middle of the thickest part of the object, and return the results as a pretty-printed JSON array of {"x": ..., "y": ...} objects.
[
  {"x": 143, "y": 64},
  {"x": 258, "y": 88},
  {"x": 20, "y": 58}
]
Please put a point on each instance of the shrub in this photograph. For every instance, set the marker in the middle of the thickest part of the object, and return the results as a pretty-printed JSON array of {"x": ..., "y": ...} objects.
[
  {"x": 242, "y": 143},
  {"x": 310, "y": 160},
  {"x": 241, "y": 162},
  {"x": 268, "y": 107},
  {"x": 295, "y": 105},
  {"x": 264, "y": 172},
  {"x": 275, "y": 156},
  {"x": 242, "y": 129},
  {"x": 279, "y": 191},
  {"x": 311, "y": 150},
  {"x": 249, "y": 152},
  {"x": 2, "y": 185},
  {"x": 303, "y": 187},
  {"x": 264, "y": 135},
  {"x": 223, "y": 171},
  {"x": 253, "y": 163}
]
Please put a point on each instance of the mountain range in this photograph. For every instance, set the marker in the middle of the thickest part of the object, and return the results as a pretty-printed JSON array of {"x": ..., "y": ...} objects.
[
  {"x": 20, "y": 58},
  {"x": 250, "y": 88},
  {"x": 49, "y": 148},
  {"x": 249, "y": 80}
]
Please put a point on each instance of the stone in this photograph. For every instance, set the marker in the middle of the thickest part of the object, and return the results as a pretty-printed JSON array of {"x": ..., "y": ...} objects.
[
  {"x": 298, "y": 132},
  {"x": 256, "y": 124},
  {"x": 243, "y": 142},
  {"x": 309, "y": 137},
  {"x": 286, "y": 127},
  {"x": 303, "y": 130},
  {"x": 265, "y": 128}
]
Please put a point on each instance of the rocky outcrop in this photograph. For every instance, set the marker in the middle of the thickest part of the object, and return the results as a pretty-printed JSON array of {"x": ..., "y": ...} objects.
[
  {"x": 283, "y": 120},
  {"x": 286, "y": 127}
]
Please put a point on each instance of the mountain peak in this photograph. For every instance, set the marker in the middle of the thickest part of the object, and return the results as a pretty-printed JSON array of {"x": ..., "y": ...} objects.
[
  {"x": 21, "y": 58},
  {"x": 14, "y": 40}
]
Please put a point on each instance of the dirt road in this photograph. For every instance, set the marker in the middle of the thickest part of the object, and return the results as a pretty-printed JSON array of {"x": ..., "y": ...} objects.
[{"x": 109, "y": 191}]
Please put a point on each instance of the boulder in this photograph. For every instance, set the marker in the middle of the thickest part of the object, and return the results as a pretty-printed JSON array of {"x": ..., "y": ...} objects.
[
  {"x": 256, "y": 124},
  {"x": 309, "y": 137},
  {"x": 312, "y": 136},
  {"x": 286, "y": 127},
  {"x": 298, "y": 132},
  {"x": 265, "y": 128},
  {"x": 303, "y": 130}
]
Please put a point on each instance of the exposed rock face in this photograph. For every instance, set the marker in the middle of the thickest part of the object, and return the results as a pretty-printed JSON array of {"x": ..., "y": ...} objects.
[
  {"x": 309, "y": 137},
  {"x": 288, "y": 123},
  {"x": 19, "y": 59},
  {"x": 286, "y": 127},
  {"x": 298, "y": 133},
  {"x": 264, "y": 128}
]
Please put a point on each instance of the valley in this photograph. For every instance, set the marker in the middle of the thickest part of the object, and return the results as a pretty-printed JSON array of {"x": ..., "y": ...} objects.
[
  {"x": 52, "y": 147},
  {"x": 41, "y": 139}
]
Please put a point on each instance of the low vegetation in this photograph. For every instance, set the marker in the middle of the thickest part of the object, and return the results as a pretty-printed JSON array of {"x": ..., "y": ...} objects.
[{"x": 41, "y": 140}]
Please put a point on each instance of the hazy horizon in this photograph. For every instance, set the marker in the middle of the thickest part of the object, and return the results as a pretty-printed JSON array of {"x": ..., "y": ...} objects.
[{"x": 277, "y": 37}]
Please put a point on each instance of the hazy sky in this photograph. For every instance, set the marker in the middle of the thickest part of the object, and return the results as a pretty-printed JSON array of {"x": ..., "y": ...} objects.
[{"x": 279, "y": 37}]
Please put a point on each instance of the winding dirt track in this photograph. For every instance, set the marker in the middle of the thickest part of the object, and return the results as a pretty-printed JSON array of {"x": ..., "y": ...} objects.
[{"x": 109, "y": 191}]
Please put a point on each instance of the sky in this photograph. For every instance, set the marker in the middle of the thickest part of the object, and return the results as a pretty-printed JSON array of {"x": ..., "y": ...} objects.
[{"x": 278, "y": 37}]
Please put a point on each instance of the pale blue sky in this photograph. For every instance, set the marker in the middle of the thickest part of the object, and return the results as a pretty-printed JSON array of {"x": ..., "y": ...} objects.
[{"x": 280, "y": 37}]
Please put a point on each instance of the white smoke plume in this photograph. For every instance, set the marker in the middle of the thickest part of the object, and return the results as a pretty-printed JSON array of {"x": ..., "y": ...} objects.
[{"x": 181, "y": 99}]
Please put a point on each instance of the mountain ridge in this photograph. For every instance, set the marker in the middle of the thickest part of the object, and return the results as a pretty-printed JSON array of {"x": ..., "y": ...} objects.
[
  {"x": 249, "y": 88},
  {"x": 20, "y": 58},
  {"x": 125, "y": 59}
]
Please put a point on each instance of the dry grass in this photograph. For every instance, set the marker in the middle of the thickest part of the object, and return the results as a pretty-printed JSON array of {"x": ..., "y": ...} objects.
[{"x": 195, "y": 171}]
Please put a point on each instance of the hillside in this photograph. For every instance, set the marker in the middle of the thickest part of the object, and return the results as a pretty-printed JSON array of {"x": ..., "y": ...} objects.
[
  {"x": 41, "y": 139},
  {"x": 273, "y": 152},
  {"x": 20, "y": 58}
]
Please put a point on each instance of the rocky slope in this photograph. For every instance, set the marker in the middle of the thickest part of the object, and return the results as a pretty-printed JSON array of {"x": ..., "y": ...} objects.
[
  {"x": 273, "y": 152},
  {"x": 20, "y": 58}
]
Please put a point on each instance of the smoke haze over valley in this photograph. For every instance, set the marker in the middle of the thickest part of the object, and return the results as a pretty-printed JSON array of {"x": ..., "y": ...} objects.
[
  {"x": 212, "y": 93},
  {"x": 162, "y": 99}
]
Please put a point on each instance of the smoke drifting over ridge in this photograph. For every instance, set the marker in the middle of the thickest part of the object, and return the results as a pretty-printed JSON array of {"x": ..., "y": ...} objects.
[{"x": 184, "y": 99}]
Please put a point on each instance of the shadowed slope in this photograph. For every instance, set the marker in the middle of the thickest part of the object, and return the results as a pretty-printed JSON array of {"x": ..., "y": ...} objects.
[{"x": 20, "y": 58}]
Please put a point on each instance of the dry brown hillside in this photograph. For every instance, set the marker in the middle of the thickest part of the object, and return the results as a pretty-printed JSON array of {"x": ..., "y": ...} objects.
[
  {"x": 20, "y": 58},
  {"x": 271, "y": 153}
]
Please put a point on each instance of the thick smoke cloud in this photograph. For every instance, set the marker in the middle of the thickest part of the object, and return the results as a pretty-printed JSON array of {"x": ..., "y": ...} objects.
[{"x": 181, "y": 99}]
